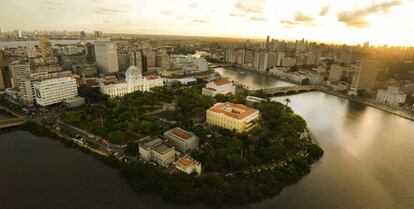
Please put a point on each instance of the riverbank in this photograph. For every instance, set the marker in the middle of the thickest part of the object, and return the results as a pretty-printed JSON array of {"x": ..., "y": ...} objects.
[{"x": 402, "y": 113}]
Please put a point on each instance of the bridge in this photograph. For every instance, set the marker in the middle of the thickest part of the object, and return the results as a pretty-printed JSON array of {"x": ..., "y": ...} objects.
[
  {"x": 11, "y": 119},
  {"x": 286, "y": 90}
]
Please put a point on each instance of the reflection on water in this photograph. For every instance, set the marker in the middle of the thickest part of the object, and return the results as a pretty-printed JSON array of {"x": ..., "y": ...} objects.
[
  {"x": 250, "y": 79},
  {"x": 367, "y": 162}
]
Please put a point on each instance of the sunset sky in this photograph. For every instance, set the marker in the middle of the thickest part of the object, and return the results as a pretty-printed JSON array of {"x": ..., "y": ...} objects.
[{"x": 342, "y": 21}]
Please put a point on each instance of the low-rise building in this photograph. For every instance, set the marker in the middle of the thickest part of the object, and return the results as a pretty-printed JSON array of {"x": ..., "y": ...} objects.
[
  {"x": 54, "y": 90},
  {"x": 188, "y": 165},
  {"x": 157, "y": 150},
  {"x": 183, "y": 141},
  {"x": 134, "y": 82},
  {"x": 233, "y": 116},
  {"x": 392, "y": 96},
  {"x": 219, "y": 86}
]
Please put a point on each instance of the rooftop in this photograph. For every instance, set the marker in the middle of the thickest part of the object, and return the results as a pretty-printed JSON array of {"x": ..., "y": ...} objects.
[
  {"x": 236, "y": 111},
  {"x": 185, "y": 161},
  {"x": 162, "y": 148},
  {"x": 222, "y": 81},
  {"x": 151, "y": 143},
  {"x": 180, "y": 133}
]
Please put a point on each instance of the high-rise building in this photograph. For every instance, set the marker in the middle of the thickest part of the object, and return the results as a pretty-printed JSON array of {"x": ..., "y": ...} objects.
[
  {"x": 336, "y": 72},
  {"x": 55, "y": 90},
  {"x": 46, "y": 50},
  {"x": 136, "y": 58},
  {"x": 98, "y": 34},
  {"x": 90, "y": 53},
  {"x": 18, "y": 71},
  {"x": 106, "y": 53},
  {"x": 2, "y": 81},
  {"x": 365, "y": 76},
  {"x": 150, "y": 56},
  {"x": 82, "y": 34},
  {"x": 267, "y": 42},
  {"x": 123, "y": 61}
]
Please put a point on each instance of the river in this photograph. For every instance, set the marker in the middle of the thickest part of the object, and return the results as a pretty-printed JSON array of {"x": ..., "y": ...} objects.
[{"x": 368, "y": 163}]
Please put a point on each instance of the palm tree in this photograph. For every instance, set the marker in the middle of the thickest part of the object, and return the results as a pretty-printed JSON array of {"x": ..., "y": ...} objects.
[{"x": 287, "y": 100}]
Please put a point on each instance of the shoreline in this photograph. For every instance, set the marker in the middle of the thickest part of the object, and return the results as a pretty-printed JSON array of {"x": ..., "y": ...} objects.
[
  {"x": 406, "y": 114},
  {"x": 388, "y": 109}
]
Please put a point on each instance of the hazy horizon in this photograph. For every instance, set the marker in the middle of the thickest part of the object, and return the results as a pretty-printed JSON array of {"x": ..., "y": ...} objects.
[{"x": 338, "y": 22}]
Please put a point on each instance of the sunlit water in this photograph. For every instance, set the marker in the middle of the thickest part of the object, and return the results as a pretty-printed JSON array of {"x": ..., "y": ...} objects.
[{"x": 368, "y": 163}]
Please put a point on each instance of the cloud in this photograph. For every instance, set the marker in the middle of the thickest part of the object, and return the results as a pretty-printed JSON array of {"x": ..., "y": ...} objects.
[
  {"x": 102, "y": 10},
  {"x": 257, "y": 18},
  {"x": 197, "y": 20},
  {"x": 52, "y": 3},
  {"x": 167, "y": 12},
  {"x": 193, "y": 5},
  {"x": 324, "y": 11},
  {"x": 237, "y": 15},
  {"x": 299, "y": 19},
  {"x": 250, "y": 6},
  {"x": 356, "y": 18}
]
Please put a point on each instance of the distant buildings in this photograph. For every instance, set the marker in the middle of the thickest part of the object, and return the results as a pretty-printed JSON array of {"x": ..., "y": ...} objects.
[
  {"x": 365, "y": 77},
  {"x": 188, "y": 64},
  {"x": 134, "y": 82},
  {"x": 219, "y": 86},
  {"x": 106, "y": 53},
  {"x": 54, "y": 90},
  {"x": 391, "y": 96},
  {"x": 157, "y": 150},
  {"x": 336, "y": 72},
  {"x": 18, "y": 71},
  {"x": 183, "y": 141},
  {"x": 231, "y": 116}
]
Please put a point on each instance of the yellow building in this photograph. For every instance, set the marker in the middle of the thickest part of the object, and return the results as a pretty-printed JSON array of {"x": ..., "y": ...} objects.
[{"x": 233, "y": 116}]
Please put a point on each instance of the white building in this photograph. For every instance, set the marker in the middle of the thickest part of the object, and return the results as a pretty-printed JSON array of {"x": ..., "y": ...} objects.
[
  {"x": 183, "y": 141},
  {"x": 189, "y": 64},
  {"x": 18, "y": 71},
  {"x": 391, "y": 96},
  {"x": 220, "y": 86},
  {"x": 157, "y": 150},
  {"x": 336, "y": 72},
  {"x": 106, "y": 53},
  {"x": 134, "y": 82},
  {"x": 54, "y": 90},
  {"x": 188, "y": 165}
]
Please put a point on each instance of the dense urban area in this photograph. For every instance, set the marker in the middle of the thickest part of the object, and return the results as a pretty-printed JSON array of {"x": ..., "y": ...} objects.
[{"x": 155, "y": 108}]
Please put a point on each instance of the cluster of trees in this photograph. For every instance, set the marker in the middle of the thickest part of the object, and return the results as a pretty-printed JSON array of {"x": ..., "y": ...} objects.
[
  {"x": 277, "y": 138},
  {"x": 214, "y": 190},
  {"x": 115, "y": 119}
]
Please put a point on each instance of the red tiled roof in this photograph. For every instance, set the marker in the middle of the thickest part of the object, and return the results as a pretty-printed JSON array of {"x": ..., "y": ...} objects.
[
  {"x": 222, "y": 81},
  {"x": 236, "y": 111},
  {"x": 185, "y": 161},
  {"x": 152, "y": 77},
  {"x": 178, "y": 132}
]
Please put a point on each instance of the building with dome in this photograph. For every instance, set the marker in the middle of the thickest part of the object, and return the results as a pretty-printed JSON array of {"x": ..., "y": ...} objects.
[{"x": 134, "y": 81}]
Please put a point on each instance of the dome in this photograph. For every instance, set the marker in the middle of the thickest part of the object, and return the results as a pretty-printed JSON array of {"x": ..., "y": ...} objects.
[{"x": 133, "y": 71}]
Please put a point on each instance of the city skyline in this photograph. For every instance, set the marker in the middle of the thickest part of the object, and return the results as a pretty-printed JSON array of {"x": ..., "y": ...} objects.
[{"x": 350, "y": 22}]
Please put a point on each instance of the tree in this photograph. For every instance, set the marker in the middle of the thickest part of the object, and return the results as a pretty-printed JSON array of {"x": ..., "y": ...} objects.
[
  {"x": 287, "y": 101},
  {"x": 71, "y": 117},
  {"x": 132, "y": 148},
  {"x": 116, "y": 137}
]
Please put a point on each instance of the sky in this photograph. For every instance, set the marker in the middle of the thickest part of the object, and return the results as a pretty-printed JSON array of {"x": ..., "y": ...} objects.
[{"x": 340, "y": 21}]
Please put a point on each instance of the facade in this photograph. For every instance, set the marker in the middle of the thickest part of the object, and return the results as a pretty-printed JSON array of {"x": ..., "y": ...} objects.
[
  {"x": 19, "y": 71},
  {"x": 220, "y": 86},
  {"x": 106, "y": 54},
  {"x": 54, "y": 90},
  {"x": 392, "y": 96},
  {"x": 134, "y": 82},
  {"x": 336, "y": 72},
  {"x": 188, "y": 165},
  {"x": 365, "y": 77},
  {"x": 233, "y": 116},
  {"x": 183, "y": 141},
  {"x": 157, "y": 150}
]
